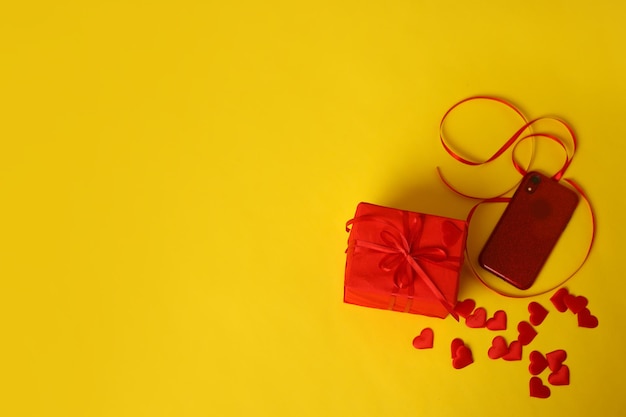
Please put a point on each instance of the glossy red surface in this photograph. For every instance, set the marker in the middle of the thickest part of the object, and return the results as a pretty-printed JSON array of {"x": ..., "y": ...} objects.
[{"x": 530, "y": 227}]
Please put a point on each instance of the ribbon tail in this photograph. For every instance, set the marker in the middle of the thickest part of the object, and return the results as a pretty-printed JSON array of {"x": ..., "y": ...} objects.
[{"x": 433, "y": 288}]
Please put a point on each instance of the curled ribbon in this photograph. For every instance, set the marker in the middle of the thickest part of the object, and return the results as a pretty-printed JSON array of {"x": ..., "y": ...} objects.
[
  {"x": 517, "y": 138},
  {"x": 513, "y": 142},
  {"x": 407, "y": 262}
]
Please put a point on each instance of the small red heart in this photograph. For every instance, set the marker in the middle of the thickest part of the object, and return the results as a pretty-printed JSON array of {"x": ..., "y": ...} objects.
[
  {"x": 560, "y": 377},
  {"x": 537, "y": 312},
  {"x": 424, "y": 340},
  {"x": 515, "y": 352},
  {"x": 462, "y": 357},
  {"x": 575, "y": 304},
  {"x": 526, "y": 333},
  {"x": 537, "y": 389},
  {"x": 464, "y": 308},
  {"x": 498, "y": 348},
  {"x": 585, "y": 319},
  {"x": 558, "y": 300},
  {"x": 537, "y": 363},
  {"x": 478, "y": 319},
  {"x": 454, "y": 346},
  {"x": 451, "y": 233},
  {"x": 555, "y": 359},
  {"x": 498, "y": 321}
]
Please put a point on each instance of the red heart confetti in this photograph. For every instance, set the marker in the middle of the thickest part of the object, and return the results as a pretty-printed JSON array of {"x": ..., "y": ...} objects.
[
  {"x": 498, "y": 321},
  {"x": 575, "y": 304},
  {"x": 454, "y": 346},
  {"x": 537, "y": 389},
  {"x": 478, "y": 319},
  {"x": 464, "y": 308},
  {"x": 585, "y": 319},
  {"x": 538, "y": 363},
  {"x": 526, "y": 332},
  {"x": 537, "y": 312},
  {"x": 462, "y": 357},
  {"x": 424, "y": 340},
  {"x": 558, "y": 300},
  {"x": 451, "y": 233},
  {"x": 498, "y": 348},
  {"x": 555, "y": 359},
  {"x": 515, "y": 352},
  {"x": 560, "y": 377}
]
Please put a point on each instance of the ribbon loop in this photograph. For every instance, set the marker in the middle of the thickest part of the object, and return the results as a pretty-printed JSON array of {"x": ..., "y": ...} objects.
[
  {"x": 397, "y": 241},
  {"x": 511, "y": 143},
  {"x": 433, "y": 254}
]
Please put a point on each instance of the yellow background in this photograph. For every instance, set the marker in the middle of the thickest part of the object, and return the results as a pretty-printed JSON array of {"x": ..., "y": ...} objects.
[{"x": 175, "y": 178}]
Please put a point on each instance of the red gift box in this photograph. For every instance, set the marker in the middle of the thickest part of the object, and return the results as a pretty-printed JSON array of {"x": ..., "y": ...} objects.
[{"x": 404, "y": 261}]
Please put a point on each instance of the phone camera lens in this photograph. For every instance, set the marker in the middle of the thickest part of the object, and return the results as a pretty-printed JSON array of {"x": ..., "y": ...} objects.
[{"x": 533, "y": 183}]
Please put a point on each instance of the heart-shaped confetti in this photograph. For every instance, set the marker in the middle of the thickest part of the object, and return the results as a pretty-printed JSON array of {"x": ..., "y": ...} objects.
[
  {"x": 538, "y": 389},
  {"x": 558, "y": 300},
  {"x": 537, "y": 312},
  {"x": 585, "y": 319},
  {"x": 555, "y": 359},
  {"x": 559, "y": 374},
  {"x": 515, "y": 352},
  {"x": 462, "y": 357},
  {"x": 450, "y": 232},
  {"x": 498, "y": 321},
  {"x": 575, "y": 304},
  {"x": 559, "y": 377},
  {"x": 454, "y": 346},
  {"x": 526, "y": 332},
  {"x": 498, "y": 348},
  {"x": 424, "y": 340},
  {"x": 538, "y": 363},
  {"x": 478, "y": 319},
  {"x": 465, "y": 308}
]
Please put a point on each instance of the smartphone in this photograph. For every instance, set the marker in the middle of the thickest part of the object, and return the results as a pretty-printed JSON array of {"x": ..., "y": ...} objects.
[{"x": 528, "y": 230}]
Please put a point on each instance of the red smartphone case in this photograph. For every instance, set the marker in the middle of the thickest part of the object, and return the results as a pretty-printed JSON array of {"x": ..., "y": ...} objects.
[{"x": 528, "y": 230}]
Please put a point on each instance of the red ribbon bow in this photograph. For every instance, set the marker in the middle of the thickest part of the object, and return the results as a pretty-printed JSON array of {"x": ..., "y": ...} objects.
[{"x": 407, "y": 262}]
